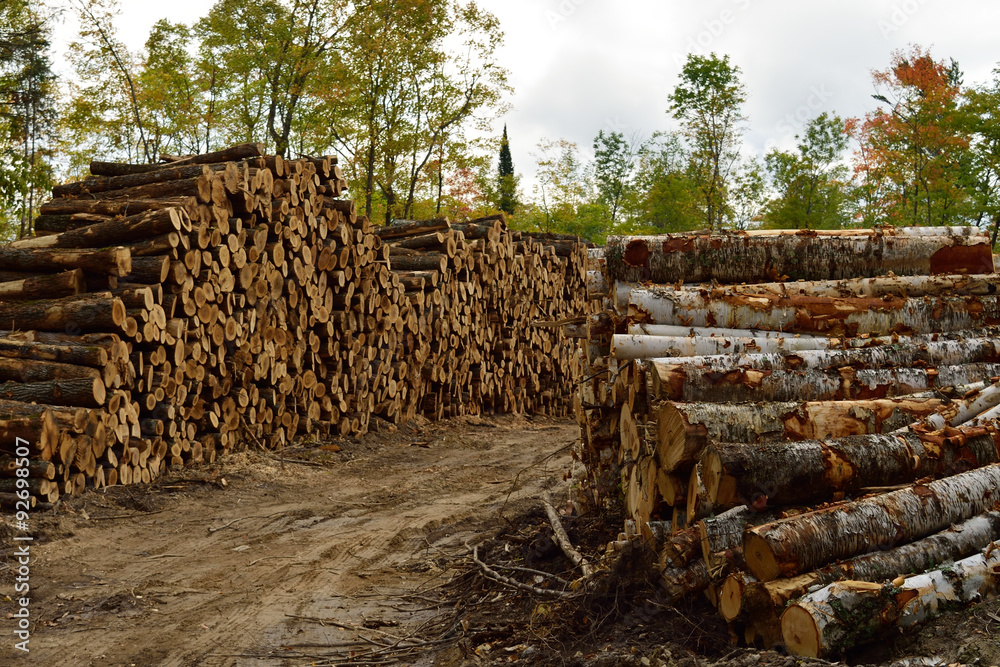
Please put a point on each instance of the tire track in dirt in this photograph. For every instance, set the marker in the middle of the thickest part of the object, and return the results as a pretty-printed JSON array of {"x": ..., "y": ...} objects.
[{"x": 334, "y": 543}]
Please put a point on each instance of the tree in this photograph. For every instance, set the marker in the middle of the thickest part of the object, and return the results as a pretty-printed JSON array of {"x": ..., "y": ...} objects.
[
  {"x": 811, "y": 181},
  {"x": 27, "y": 115},
  {"x": 909, "y": 156},
  {"x": 708, "y": 103},
  {"x": 982, "y": 161},
  {"x": 666, "y": 197},
  {"x": 506, "y": 183},
  {"x": 266, "y": 56},
  {"x": 614, "y": 171}
]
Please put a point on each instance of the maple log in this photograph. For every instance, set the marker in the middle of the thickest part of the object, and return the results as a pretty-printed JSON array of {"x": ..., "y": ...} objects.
[
  {"x": 847, "y": 614},
  {"x": 687, "y": 383},
  {"x": 114, "y": 232},
  {"x": 788, "y": 547},
  {"x": 677, "y": 584},
  {"x": 812, "y": 471},
  {"x": 684, "y": 430},
  {"x": 741, "y": 258},
  {"x": 764, "y": 601},
  {"x": 98, "y": 311},
  {"x": 81, "y": 392},
  {"x": 105, "y": 261},
  {"x": 850, "y": 316},
  {"x": 402, "y": 228},
  {"x": 44, "y": 287},
  {"x": 30, "y": 370}
]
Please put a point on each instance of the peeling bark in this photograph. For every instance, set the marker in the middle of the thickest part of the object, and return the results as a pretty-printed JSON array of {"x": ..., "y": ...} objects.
[{"x": 802, "y": 543}]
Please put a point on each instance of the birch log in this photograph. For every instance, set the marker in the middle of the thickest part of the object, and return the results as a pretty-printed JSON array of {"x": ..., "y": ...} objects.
[
  {"x": 679, "y": 382},
  {"x": 848, "y": 614},
  {"x": 742, "y": 258},
  {"x": 684, "y": 430},
  {"x": 813, "y": 471},
  {"x": 802, "y": 543},
  {"x": 851, "y": 316},
  {"x": 764, "y": 601}
]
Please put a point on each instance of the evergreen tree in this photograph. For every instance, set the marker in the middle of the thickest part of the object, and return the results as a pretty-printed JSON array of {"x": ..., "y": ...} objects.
[{"x": 507, "y": 183}]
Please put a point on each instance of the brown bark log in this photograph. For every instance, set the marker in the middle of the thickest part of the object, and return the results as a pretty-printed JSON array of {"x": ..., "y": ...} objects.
[
  {"x": 44, "y": 287},
  {"x": 107, "y": 261},
  {"x": 403, "y": 228},
  {"x": 233, "y": 153},
  {"x": 802, "y": 543},
  {"x": 114, "y": 232},
  {"x": 81, "y": 355},
  {"x": 89, "y": 312},
  {"x": 111, "y": 207},
  {"x": 85, "y": 393}
]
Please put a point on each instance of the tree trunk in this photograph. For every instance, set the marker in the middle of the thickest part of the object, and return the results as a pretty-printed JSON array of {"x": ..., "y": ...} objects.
[
  {"x": 107, "y": 261},
  {"x": 848, "y": 614},
  {"x": 114, "y": 232},
  {"x": 88, "y": 312},
  {"x": 115, "y": 207},
  {"x": 28, "y": 370},
  {"x": 402, "y": 228},
  {"x": 764, "y": 601},
  {"x": 814, "y": 471},
  {"x": 44, "y": 287},
  {"x": 877, "y": 287},
  {"x": 83, "y": 392},
  {"x": 948, "y": 352},
  {"x": 684, "y": 430},
  {"x": 80, "y": 355},
  {"x": 852, "y": 316},
  {"x": 689, "y": 383},
  {"x": 743, "y": 258},
  {"x": 802, "y": 543},
  {"x": 233, "y": 153}
]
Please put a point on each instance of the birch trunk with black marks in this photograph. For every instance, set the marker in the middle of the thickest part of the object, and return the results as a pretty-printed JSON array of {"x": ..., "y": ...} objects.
[
  {"x": 684, "y": 430},
  {"x": 788, "y": 547},
  {"x": 742, "y": 258},
  {"x": 852, "y": 316},
  {"x": 813, "y": 471}
]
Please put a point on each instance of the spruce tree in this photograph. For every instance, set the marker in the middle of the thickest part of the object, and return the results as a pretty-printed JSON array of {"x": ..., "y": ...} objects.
[{"x": 507, "y": 183}]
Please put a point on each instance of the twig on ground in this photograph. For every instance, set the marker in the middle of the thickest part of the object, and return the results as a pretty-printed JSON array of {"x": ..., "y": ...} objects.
[
  {"x": 507, "y": 581},
  {"x": 562, "y": 539}
]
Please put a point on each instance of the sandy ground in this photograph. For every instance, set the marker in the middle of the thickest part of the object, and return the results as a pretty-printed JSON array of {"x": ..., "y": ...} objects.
[{"x": 255, "y": 561}]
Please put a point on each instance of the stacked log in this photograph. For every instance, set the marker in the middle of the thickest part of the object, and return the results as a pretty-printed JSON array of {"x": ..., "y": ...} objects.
[
  {"x": 168, "y": 314},
  {"x": 812, "y": 414}
]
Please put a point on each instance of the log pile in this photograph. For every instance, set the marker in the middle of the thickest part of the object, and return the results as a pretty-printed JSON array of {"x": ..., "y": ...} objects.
[
  {"x": 796, "y": 420},
  {"x": 167, "y": 314}
]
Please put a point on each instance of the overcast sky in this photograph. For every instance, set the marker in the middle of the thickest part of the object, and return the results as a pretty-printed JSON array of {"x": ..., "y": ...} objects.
[{"x": 579, "y": 66}]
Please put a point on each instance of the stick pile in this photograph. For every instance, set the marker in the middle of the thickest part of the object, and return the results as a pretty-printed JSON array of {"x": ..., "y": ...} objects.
[
  {"x": 167, "y": 314},
  {"x": 801, "y": 444}
]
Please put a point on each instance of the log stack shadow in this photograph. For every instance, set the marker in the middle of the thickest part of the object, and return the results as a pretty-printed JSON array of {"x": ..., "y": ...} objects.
[
  {"x": 168, "y": 314},
  {"x": 798, "y": 419}
]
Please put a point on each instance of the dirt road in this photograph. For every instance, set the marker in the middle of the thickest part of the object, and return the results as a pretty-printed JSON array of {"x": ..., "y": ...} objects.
[{"x": 275, "y": 564}]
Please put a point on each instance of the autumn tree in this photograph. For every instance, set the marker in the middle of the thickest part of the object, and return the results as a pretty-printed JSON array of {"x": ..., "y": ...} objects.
[
  {"x": 708, "y": 102},
  {"x": 910, "y": 148},
  {"x": 811, "y": 181}
]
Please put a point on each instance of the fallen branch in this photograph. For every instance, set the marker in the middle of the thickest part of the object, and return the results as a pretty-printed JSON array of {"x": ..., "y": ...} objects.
[
  {"x": 507, "y": 581},
  {"x": 562, "y": 539}
]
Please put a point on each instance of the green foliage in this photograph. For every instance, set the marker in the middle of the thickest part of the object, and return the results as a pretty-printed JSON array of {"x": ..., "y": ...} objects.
[
  {"x": 506, "y": 179},
  {"x": 614, "y": 171},
  {"x": 811, "y": 182},
  {"x": 27, "y": 115},
  {"x": 708, "y": 102}
]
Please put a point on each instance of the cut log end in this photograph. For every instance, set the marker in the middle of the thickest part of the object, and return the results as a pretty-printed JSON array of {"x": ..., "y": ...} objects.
[
  {"x": 802, "y": 636},
  {"x": 731, "y": 596},
  {"x": 760, "y": 557}
]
